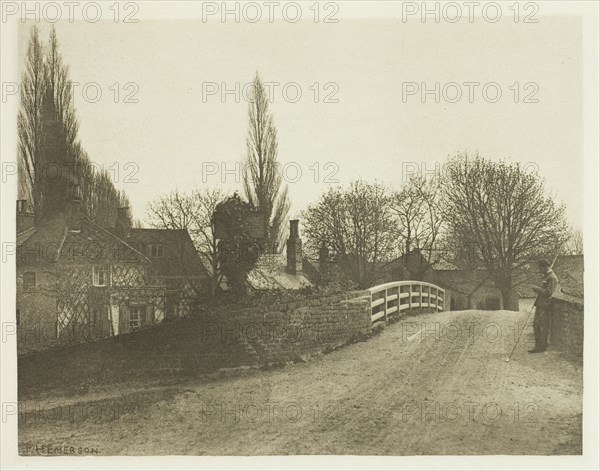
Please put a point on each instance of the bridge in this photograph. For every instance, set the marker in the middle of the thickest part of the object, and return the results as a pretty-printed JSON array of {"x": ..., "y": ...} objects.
[{"x": 392, "y": 299}]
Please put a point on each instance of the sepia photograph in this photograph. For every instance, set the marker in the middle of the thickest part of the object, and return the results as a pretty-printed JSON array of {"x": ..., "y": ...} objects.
[{"x": 299, "y": 235}]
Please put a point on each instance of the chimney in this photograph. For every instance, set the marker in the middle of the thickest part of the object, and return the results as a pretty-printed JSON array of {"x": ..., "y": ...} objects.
[
  {"x": 123, "y": 226},
  {"x": 294, "y": 250},
  {"x": 75, "y": 211}
]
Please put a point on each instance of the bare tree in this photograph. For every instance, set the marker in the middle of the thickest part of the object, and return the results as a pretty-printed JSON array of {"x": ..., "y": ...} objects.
[
  {"x": 420, "y": 222},
  {"x": 357, "y": 224},
  {"x": 60, "y": 126},
  {"x": 574, "y": 245},
  {"x": 262, "y": 173},
  {"x": 59, "y": 87},
  {"x": 194, "y": 213},
  {"x": 52, "y": 161},
  {"x": 505, "y": 212},
  {"x": 30, "y": 121}
]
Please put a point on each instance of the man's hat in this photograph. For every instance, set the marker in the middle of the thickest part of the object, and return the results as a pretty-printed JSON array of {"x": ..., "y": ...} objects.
[{"x": 544, "y": 263}]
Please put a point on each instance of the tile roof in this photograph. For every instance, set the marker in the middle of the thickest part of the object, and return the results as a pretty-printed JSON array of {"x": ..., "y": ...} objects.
[
  {"x": 52, "y": 242},
  {"x": 94, "y": 243},
  {"x": 179, "y": 253},
  {"x": 270, "y": 273}
]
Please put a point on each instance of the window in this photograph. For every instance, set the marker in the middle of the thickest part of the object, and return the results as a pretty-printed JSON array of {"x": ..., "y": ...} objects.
[
  {"x": 156, "y": 250},
  {"x": 137, "y": 316},
  {"x": 100, "y": 275},
  {"x": 28, "y": 281}
]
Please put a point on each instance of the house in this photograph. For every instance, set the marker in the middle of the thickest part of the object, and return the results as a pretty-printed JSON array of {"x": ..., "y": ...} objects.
[
  {"x": 175, "y": 264},
  {"x": 469, "y": 289},
  {"x": 466, "y": 288},
  {"x": 78, "y": 281}
]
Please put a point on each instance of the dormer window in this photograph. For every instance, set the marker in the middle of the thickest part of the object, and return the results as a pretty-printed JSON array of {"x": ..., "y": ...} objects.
[
  {"x": 100, "y": 276},
  {"x": 156, "y": 250}
]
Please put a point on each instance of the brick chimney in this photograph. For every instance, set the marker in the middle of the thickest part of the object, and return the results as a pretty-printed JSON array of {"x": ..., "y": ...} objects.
[
  {"x": 123, "y": 226},
  {"x": 294, "y": 250},
  {"x": 75, "y": 211}
]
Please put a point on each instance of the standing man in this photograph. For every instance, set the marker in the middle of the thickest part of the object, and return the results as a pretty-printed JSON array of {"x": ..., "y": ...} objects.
[{"x": 543, "y": 306}]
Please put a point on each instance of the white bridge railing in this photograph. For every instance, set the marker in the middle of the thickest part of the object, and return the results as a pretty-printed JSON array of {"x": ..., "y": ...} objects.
[{"x": 396, "y": 297}]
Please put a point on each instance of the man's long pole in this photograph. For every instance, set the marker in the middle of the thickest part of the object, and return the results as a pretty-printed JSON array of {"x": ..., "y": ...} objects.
[
  {"x": 527, "y": 321},
  {"x": 521, "y": 332}
]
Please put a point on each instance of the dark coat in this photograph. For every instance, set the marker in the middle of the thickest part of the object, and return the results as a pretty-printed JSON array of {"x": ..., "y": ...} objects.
[{"x": 548, "y": 289}]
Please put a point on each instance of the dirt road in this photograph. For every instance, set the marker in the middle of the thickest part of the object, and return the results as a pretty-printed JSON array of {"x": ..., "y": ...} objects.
[{"x": 432, "y": 384}]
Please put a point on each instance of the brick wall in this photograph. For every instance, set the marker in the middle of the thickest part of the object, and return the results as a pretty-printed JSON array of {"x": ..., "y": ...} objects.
[
  {"x": 566, "y": 326},
  {"x": 226, "y": 337}
]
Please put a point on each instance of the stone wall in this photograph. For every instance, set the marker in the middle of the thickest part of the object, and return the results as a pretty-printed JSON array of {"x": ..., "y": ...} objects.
[
  {"x": 283, "y": 332},
  {"x": 262, "y": 334},
  {"x": 566, "y": 326}
]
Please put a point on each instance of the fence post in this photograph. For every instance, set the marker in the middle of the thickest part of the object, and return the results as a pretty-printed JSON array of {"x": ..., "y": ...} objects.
[{"x": 385, "y": 303}]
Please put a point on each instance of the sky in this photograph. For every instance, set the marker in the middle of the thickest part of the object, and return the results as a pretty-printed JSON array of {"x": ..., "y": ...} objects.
[{"x": 362, "y": 125}]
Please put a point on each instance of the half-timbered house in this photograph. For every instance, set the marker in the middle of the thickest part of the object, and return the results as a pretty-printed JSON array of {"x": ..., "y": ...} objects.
[{"x": 78, "y": 281}]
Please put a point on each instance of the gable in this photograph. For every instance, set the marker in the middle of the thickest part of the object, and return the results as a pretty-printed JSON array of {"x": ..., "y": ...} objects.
[
  {"x": 94, "y": 244},
  {"x": 52, "y": 242}
]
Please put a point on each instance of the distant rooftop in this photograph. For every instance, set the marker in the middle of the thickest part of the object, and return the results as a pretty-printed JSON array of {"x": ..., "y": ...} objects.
[{"x": 270, "y": 273}]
